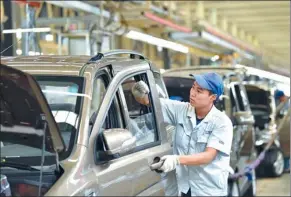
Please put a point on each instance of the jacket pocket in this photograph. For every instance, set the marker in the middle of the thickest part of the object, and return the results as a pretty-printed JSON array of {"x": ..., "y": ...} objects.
[{"x": 202, "y": 140}]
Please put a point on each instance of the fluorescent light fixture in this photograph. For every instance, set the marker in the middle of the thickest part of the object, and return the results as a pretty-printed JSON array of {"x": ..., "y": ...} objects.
[
  {"x": 49, "y": 37},
  {"x": 19, "y": 52},
  {"x": 31, "y": 53},
  {"x": 199, "y": 46},
  {"x": 156, "y": 41},
  {"x": 218, "y": 41},
  {"x": 13, "y": 31},
  {"x": 18, "y": 35},
  {"x": 182, "y": 35},
  {"x": 214, "y": 58},
  {"x": 185, "y": 38}
]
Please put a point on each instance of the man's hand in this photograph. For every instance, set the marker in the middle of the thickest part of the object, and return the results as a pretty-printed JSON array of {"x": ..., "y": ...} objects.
[{"x": 170, "y": 163}]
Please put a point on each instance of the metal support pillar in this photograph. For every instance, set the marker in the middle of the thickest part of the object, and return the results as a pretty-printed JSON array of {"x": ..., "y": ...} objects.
[
  {"x": 242, "y": 34},
  {"x": 29, "y": 41},
  {"x": 224, "y": 24},
  {"x": 60, "y": 38},
  {"x": 112, "y": 42},
  {"x": 6, "y": 39},
  {"x": 249, "y": 38},
  {"x": 91, "y": 40},
  {"x": 188, "y": 59},
  {"x": 258, "y": 62},
  {"x": 167, "y": 59},
  {"x": 88, "y": 44},
  {"x": 256, "y": 42},
  {"x": 233, "y": 30},
  {"x": 189, "y": 11},
  {"x": 213, "y": 16},
  {"x": 200, "y": 10}
]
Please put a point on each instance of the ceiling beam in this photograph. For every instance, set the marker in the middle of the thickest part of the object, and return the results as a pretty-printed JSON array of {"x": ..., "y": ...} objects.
[
  {"x": 260, "y": 19},
  {"x": 266, "y": 24},
  {"x": 267, "y": 30},
  {"x": 245, "y": 4},
  {"x": 255, "y": 10},
  {"x": 249, "y": 21},
  {"x": 274, "y": 35},
  {"x": 278, "y": 45},
  {"x": 273, "y": 44}
]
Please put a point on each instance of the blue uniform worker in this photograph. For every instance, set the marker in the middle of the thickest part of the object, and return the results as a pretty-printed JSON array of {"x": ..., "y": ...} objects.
[
  {"x": 202, "y": 140},
  {"x": 283, "y": 105}
]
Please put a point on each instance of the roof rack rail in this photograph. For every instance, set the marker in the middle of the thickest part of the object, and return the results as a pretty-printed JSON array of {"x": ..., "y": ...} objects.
[{"x": 132, "y": 54}]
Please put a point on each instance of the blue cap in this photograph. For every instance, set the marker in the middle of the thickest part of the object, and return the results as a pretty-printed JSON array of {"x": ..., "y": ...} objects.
[
  {"x": 279, "y": 93},
  {"x": 210, "y": 81}
]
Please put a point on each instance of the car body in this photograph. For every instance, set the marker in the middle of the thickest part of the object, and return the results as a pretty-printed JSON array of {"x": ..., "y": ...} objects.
[
  {"x": 235, "y": 104},
  {"x": 97, "y": 153},
  {"x": 261, "y": 96}
]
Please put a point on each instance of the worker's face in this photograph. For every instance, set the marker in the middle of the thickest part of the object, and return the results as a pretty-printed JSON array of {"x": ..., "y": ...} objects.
[
  {"x": 283, "y": 98},
  {"x": 200, "y": 98},
  {"x": 144, "y": 100}
]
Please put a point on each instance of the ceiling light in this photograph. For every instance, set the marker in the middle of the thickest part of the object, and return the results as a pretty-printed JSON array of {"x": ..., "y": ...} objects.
[
  {"x": 156, "y": 41},
  {"x": 18, "y": 35},
  {"x": 19, "y": 52},
  {"x": 214, "y": 58},
  {"x": 49, "y": 37},
  {"x": 13, "y": 31},
  {"x": 184, "y": 37},
  {"x": 31, "y": 53}
]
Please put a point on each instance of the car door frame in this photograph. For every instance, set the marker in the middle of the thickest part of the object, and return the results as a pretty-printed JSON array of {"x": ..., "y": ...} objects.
[
  {"x": 241, "y": 163},
  {"x": 113, "y": 88}
]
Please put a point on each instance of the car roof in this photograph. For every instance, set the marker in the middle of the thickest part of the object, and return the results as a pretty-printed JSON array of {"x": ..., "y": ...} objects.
[
  {"x": 185, "y": 71},
  {"x": 60, "y": 65}
]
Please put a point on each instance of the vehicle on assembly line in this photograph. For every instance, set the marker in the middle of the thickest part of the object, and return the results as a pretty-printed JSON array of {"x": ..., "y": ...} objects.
[
  {"x": 269, "y": 119},
  {"x": 235, "y": 104},
  {"x": 66, "y": 122}
]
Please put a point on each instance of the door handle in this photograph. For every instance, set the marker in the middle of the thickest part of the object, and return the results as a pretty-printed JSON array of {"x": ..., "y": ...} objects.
[{"x": 157, "y": 163}]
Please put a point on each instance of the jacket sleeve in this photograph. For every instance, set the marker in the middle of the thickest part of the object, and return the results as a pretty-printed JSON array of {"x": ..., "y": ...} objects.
[
  {"x": 221, "y": 136},
  {"x": 171, "y": 110}
]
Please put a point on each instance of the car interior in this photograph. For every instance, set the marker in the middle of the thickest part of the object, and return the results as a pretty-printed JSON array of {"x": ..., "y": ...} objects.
[{"x": 260, "y": 105}]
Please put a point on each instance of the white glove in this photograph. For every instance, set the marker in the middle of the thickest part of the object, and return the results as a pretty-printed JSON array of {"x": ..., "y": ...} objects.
[{"x": 170, "y": 163}]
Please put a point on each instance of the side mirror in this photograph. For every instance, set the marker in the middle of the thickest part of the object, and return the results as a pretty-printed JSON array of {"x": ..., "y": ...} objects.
[
  {"x": 244, "y": 118},
  {"x": 118, "y": 141}
]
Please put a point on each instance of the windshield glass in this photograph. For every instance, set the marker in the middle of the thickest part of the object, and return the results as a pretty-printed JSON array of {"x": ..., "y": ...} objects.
[
  {"x": 260, "y": 100},
  {"x": 64, "y": 96}
]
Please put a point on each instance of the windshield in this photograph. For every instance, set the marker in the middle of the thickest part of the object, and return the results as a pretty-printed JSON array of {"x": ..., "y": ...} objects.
[
  {"x": 260, "y": 100},
  {"x": 64, "y": 96}
]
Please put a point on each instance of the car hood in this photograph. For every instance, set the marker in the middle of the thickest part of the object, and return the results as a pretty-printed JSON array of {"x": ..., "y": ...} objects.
[{"x": 26, "y": 118}]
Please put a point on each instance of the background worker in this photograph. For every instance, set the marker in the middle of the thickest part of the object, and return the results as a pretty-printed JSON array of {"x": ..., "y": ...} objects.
[
  {"x": 202, "y": 142},
  {"x": 282, "y": 109}
]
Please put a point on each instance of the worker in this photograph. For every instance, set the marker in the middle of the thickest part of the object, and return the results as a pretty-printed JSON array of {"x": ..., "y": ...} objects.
[
  {"x": 202, "y": 141},
  {"x": 282, "y": 107},
  {"x": 229, "y": 58},
  {"x": 281, "y": 99}
]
